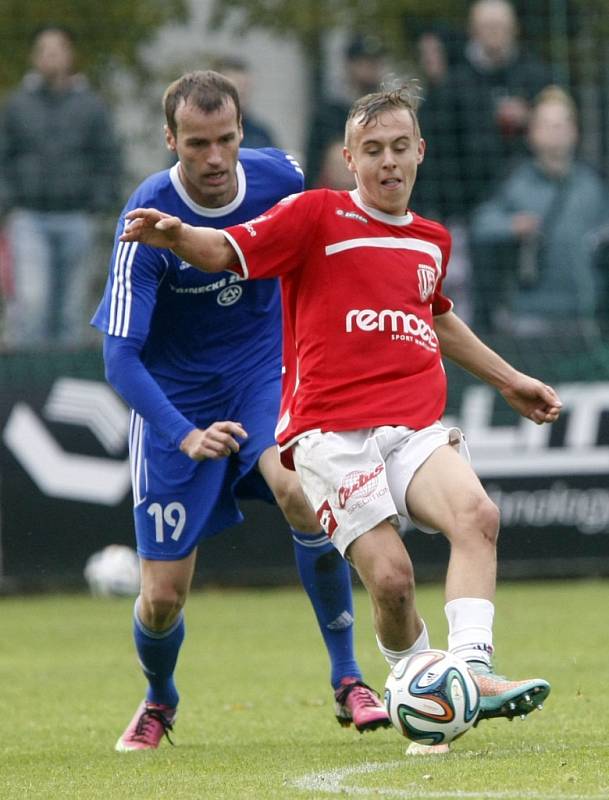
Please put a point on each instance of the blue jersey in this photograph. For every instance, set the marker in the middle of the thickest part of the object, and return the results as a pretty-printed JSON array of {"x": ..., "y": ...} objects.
[
  {"x": 186, "y": 349},
  {"x": 202, "y": 335}
]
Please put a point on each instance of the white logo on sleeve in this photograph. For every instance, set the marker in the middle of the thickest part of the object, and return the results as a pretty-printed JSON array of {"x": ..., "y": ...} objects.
[{"x": 403, "y": 327}]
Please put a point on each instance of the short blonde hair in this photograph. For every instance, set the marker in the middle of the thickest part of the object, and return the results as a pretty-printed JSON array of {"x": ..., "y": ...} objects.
[{"x": 368, "y": 108}]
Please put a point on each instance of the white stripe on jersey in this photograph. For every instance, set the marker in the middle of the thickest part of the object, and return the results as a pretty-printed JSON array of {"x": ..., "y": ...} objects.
[
  {"x": 282, "y": 423},
  {"x": 120, "y": 305},
  {"x": 284, "y": 420},
  {"x": 136, "y": 453},
  {"x": 294, "y": 163},
  {"x": 390, "y": 242}
]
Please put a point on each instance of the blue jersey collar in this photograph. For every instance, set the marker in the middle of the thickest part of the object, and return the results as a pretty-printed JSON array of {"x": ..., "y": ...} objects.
[{"x": 203, "y": 210}]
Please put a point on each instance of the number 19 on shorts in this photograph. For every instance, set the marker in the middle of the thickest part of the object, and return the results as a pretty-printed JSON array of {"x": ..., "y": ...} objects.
[{"x": 170, "y": 520}]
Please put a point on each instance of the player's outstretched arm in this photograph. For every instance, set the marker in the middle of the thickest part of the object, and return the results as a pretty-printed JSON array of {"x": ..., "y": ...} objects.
[
  {"x": 217, "y": 441},
  {"x": 205, "y": 248},
  {"x": 526, "y": 395}
]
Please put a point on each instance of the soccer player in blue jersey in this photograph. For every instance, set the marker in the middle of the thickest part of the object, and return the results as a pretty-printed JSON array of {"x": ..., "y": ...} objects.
[{"x": 198, "y": 359}]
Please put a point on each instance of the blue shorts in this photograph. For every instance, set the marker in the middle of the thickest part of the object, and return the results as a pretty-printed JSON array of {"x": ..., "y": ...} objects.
[{"x": 178, "y": 501}]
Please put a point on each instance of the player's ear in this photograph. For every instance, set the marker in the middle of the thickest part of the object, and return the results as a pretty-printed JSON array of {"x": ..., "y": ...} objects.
[
  {"x": 349, "y": 160},
  {"x": 170, "y": 139},
  {"x": 421, "y": 151},
  {"x": 241, "y": 129}
]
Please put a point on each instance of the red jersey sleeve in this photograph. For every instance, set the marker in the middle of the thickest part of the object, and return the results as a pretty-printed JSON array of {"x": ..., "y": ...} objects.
[{"x": 273, "y": 243}]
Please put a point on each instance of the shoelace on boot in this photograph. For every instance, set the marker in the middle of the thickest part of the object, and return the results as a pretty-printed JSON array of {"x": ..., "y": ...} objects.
[
  {"x": 364, "y": 694},
  {"x": 146, "y": 718}
]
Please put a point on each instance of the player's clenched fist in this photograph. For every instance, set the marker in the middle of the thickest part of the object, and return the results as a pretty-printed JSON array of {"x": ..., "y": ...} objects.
[{"x": 217, "y": 441}]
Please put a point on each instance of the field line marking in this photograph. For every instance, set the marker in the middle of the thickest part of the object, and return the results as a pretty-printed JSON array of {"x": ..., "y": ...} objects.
[{"x": 332, "y": 782}]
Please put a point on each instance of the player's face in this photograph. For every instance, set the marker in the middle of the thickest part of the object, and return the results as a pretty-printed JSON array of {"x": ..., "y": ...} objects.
[
  {"x": 384, "y": 156},
  {"x": 207, "y": 145}
]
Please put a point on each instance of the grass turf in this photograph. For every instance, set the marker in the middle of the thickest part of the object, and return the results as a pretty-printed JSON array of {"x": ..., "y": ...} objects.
[{"x": 256, "y": 720}]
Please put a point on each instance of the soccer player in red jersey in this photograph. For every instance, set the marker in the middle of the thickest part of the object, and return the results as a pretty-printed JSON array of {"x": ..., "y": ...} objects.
[{"x": 366, "y": 326}]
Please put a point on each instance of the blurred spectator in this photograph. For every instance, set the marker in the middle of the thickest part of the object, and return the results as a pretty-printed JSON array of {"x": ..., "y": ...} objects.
[
  {"x": 492, "y": 89},
  {"x": 432, "y": 57},
  {"x": 333, "y": 173},
  {"x": 534, "y": 240},
  {"x": 255, "y": 132},
  {"x": 437, "y": 192},
  {"x": 364, "y": 63},
  {"x": 59, "y": 165}
]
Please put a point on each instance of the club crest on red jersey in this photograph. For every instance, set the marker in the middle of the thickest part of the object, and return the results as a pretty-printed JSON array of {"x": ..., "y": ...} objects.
[{"x": 427, "y": 281}]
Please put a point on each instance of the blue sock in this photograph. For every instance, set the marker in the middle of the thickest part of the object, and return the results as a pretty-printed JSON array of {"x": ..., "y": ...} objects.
[
  {"x": 158, "y": 654},
  {"x": 326, "y": 577}
]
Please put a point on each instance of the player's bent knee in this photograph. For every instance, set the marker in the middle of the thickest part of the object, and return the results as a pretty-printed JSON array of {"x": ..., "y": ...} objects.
[
  {"x": 393, "y": 585},
  {"x": 160, "y": 606},
  {"x": 481, "y": 516},
  {"x": 488, "y": 519}
]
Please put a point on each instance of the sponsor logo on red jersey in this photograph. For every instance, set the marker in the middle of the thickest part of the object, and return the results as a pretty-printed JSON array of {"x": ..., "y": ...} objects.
[
  {"x": 403, "y": 325},
  {"x": 351, "y": 215}
]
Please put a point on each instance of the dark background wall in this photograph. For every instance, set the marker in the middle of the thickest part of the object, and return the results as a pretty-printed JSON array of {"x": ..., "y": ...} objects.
[{"x": 65, "y": 492}]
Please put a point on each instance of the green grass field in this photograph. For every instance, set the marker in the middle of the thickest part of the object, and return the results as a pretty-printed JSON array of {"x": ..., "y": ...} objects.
[{"x": 256, "y": 718}]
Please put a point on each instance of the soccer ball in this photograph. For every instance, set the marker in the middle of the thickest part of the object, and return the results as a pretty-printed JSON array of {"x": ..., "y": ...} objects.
[
  {"x": 431, "y": 697},
  {"x": 115, "y": 570}
]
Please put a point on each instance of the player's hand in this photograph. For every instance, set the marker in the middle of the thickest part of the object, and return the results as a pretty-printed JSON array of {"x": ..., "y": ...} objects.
[
  {"x": 150, "y": 226},
  {"x": 533, "y": 399},
  {"x": 217, "y": 441}
]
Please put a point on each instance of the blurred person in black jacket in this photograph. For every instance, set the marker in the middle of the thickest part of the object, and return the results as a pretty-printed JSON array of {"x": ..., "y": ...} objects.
[
  {"x": 59, "y": 166},
  {"x": 492, "y": 90}
]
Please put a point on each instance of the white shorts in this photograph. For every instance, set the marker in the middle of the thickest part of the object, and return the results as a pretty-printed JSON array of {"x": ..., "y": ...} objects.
[{"x": 356, "y": 479}]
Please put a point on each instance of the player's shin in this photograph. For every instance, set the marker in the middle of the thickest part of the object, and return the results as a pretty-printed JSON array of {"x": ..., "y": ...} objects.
[{"x": 158, "y": 654}]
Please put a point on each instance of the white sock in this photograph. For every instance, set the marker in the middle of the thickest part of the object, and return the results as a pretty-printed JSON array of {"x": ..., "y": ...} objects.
[
  {"x": 470, "y": 628},
  {"x": 393, "y": 656}
]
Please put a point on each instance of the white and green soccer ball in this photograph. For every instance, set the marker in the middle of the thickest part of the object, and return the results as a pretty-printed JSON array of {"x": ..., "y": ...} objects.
[{"x": 431, "y": 697}]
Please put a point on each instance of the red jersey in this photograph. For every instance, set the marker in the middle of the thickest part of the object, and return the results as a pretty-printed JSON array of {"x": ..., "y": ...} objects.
[{"x": 359, "y": 289}]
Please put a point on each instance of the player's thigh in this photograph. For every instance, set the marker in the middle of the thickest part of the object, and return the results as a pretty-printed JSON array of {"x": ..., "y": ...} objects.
[
  {"x": 286, "y": 488},
  {"x": 444, "y": 488},
  {"x": 273, "y": 471}
]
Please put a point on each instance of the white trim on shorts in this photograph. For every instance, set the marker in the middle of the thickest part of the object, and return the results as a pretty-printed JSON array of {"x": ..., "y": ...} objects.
[{"x": 356, "y": 479}]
